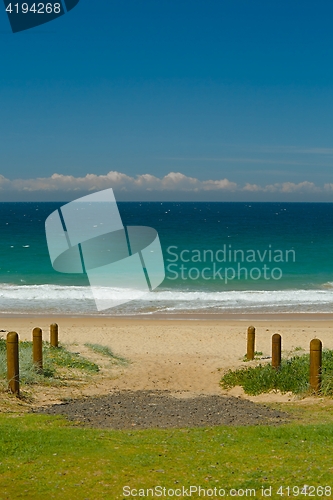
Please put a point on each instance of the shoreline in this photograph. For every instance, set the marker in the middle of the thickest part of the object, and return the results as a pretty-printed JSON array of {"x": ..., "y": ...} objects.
[{"x": 182, "y": 317}]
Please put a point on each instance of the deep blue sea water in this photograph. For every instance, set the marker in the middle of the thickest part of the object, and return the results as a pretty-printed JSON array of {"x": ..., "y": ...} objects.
[{"x": 219, "y": 257}]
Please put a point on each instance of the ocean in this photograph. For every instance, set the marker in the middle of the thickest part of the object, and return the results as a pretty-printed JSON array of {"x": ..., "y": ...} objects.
[{"x": 219, "y": 258}]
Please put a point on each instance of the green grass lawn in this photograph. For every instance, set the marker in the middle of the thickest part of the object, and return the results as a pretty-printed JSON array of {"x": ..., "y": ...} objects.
[{"x": 46, "y": 457}]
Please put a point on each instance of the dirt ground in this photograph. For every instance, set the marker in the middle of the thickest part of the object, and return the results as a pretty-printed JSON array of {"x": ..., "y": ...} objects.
[{"x": 160, "y": 409}]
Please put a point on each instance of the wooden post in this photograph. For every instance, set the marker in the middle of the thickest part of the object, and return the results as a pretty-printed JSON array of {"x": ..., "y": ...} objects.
[
  {"x": 276, "y": 351},
  {"x": 315, "y": 364},
  {"x": 251, "y": 333},
  {"x": 13, "y": 375},
  {"x": 54, "y": 335},
  {"x": 37, "y": 349}
]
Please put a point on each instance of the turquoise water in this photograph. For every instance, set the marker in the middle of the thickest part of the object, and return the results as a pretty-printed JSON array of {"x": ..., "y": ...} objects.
[{"x": 234, "y": 257}]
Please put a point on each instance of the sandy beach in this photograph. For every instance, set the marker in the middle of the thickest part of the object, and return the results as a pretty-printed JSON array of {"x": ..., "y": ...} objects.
[{"x": 180, "y": 355}]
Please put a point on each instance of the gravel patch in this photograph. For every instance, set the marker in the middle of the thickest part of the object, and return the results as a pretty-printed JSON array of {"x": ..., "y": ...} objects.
[{"x": 159, "y": 409}]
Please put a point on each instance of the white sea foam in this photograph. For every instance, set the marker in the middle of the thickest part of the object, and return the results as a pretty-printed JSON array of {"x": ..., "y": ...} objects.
[{"x": 56, "y": 299}]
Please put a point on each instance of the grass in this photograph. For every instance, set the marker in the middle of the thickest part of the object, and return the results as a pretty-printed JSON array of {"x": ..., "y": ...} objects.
[
  {"x": 257, "y": 355},
  {"x": 42, "y": 456},
  {"x": 106, "y": 351},
  {"x": 53, "y": 359},
  {"x": 293, "y": 376},
  {"x": 65, "y": 358}
]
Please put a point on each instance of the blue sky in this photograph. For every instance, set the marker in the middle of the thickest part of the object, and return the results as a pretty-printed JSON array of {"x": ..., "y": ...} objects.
[{"x": 187, "y": 100}]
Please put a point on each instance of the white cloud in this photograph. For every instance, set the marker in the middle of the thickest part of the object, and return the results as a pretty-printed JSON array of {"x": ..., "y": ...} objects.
[
  {"x": 284, "y": 187},
  {"x": 316, "y": 151},
  {"x": 252, "y": 187},
  {"x": 291, "y": 187},
  {"x": 293, "y": 150},
  {"x": 174, "y": 181}
]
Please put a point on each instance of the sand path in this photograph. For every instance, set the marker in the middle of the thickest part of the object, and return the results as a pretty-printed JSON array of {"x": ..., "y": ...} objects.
[{"x": 182, "y": 356}]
